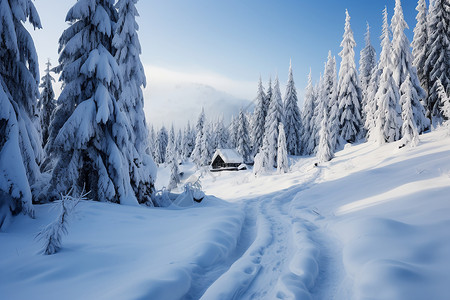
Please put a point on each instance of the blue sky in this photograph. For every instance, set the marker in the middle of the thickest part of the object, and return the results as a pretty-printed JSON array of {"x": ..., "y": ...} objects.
[{"x": 229, "y": 44}]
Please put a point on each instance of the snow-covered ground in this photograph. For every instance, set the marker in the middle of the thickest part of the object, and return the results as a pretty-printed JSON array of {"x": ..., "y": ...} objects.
[{"x": 374, "y": 223}]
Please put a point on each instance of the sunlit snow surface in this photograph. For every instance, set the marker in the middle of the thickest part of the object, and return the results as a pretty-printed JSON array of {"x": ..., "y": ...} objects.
[{"x": 374, "y": 223}]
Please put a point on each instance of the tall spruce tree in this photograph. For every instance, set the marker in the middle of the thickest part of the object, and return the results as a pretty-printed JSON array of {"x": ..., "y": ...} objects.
[
  {"x": 161, "y": 142},
  {"x": 199, "y": 139},
  {"x": 259, "y": 117},
  {"x": 367, "y": 65},
  {"x": 349, "y": 94},
  {"x": 47, "y": 102},
  {"x": 90, "y": 147},
  {"x": 170, "y": 154},
  {"x": 333, "y": 105},
  {"x": 325, "y": 150},
  {"x": 188, "y": 141},
  {"x": 243, "y": 138},
  {"x": 274, "y": 117},
  {"x": 282, "y": 153},
  {"x": 292, "y": 117},
  {"x": 308, "y": 115},
  {"x": 419, "y": 43},
  {"x": 410, "y": 134},
  {"x": 131, "y": 100},
  {"x": 402, "y": 61},
  {"x": 20, "y": 144},
  {"x": 437, "y": 64},
  {"x": 388, "y": 120}
]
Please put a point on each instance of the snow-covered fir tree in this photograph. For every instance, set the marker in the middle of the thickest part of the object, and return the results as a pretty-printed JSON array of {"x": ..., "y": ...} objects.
[
  {"x": 232, "y": 130},
  {"x": 333, "y": 105},
  {"x": 388, "y": 118},
  {"x": 179, "y": 144},
  {"x": 282, "y": 154},
  {"x": 222, "y": 135},
  {"x": 402, "y": 67},
  {"x": 444, "y": 99},
  {"x": 200, "y": 129},
  {"x": 20, "y": 143},
  {"x": 131, "y": 100},
  {"x": 47, "y": 102},
  {"x": 370, "y": 109},
  {"x": 410, "y": 134},
  {"x": 367, "y": 65},
  {"x": 161, "y": 142},
  {"x": 188, "y": 141},
  {"x": 268, "y": 97},
  {"x": 93, "y": 132},
  {"x": 152, "y": 140},
  {"x": 170, "y": 154},
  {"x": 259, "y": 117},
  {"x": 274, "y": 117},
  {"x": 308, "y": 115},
  {"x": 325, "y": 151},
  {"x": 321, "y": 101},
  {"x": 437, "y": 64},
  {"x": 292, "y": 117},
  {"x": 206, "y": 150},
  {"x": 419, "y": 43},
  {"x": 174, "y": 180},
  {"x": 349, "y": 94},
  {"x": 243, "y": 138}
]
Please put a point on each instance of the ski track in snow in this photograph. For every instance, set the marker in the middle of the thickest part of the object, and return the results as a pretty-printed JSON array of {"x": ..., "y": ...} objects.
[{"x": 280, "y": 253}]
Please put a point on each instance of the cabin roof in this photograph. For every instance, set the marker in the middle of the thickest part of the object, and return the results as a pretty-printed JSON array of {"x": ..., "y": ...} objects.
[{"x": 229, "y": 156}]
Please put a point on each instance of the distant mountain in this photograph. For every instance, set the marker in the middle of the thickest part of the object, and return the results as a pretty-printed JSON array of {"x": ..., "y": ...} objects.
[{"x": 182, "y": 102}]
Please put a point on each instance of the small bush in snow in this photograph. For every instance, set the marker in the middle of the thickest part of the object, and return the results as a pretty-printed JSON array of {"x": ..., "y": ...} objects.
[{"x": 51, "y": 235}]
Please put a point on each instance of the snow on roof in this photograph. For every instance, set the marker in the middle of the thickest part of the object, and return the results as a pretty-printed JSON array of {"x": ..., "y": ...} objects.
[{"x": 229, "y": 156}]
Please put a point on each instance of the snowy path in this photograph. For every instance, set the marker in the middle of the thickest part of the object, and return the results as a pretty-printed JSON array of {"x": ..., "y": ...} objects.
[{"x": 277, "y": 255}]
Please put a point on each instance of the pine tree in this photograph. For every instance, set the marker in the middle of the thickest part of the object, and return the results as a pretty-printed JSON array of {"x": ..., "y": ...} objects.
[
  {"x": 410, "y": 133},
  {"x": 243, "y": 138},
  {"x": 370, "y": 109},
  {"x": 282, "y": 155},
  {"x": 419, "y": 43},
  {"x": 152, "y": 141},
  {"x": 162, "y": 140},
  {"x": 324, "y": 150},
  {"x": 174, "y": 180},
  {"x": 232, "y": 132},
  {"x": 205, "y": 146},
  {"x": 367, "y": 65},
  {"x": 259, "y": 117},
  {"x": 221, "y": 135},
  {"x": 307, "y": 115},
  {"x": 47, "y": 103},
  {"x": 274, "y": 117},
  {"x": 333, "y": 105},
  {"x": 402, "y": 67},
  {"x": 179, "y": 145},
  {"x": 388, "y": 120},
  {"x": 131, "y": 100},
  {"x": 20, "y": 144},
  {"x": 437, "y": 64},
  {"x": 292, "y": 117},
  {"x": 90, "y": 147},
  {"x": 321, "y": 102},
  {"x": 349, "y": 95},
  {"x": 268, "y": 97},
  {"x": 170, "y": 154},
  {"x": 188, "y": 141},
  {"x": 444, "y": 101},
  {"x": 200, "y": 131}
]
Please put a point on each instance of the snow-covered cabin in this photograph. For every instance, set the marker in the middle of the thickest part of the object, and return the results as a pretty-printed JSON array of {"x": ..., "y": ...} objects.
[{"x": 227, "y": 159}]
